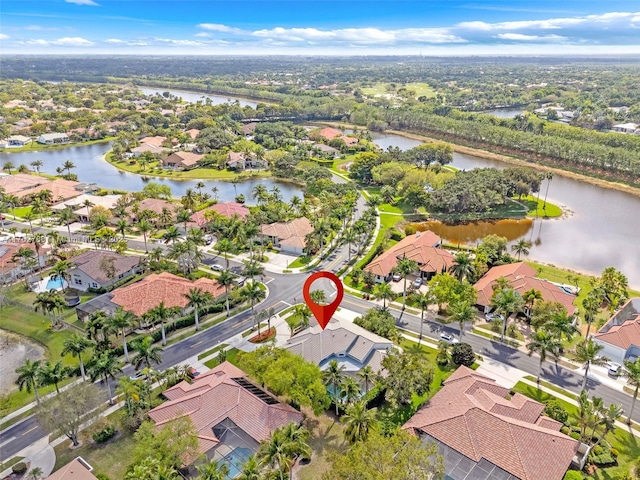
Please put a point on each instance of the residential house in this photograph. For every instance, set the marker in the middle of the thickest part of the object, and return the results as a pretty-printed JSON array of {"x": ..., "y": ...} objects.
[
  {"x": 193, "y": 133},
  {"x": 230, "y": 414},
  {"x": 422, "y": 247},
  {"x": 329, "y": 133},
  {"x": 156, "y": 205},
  {"x": 77, "y": 204},
  {"x": 629, "y": 128},
  {"x": 290, "y": 237},
  {"x": 18, "y": 141},
  {"x": 157, "y": 140},
  {"x": 12, "y": 184},
  {"x": 53, "y": 138},
  {"x": 91, "y": 269},
  {"x": 484, "y": 432},
  {"x": 181, "y": 160},
  {"x": 521, "y": 277},
  {"x": 10, "y": 270},
  {"x": 140, "y": 297},
  {"x": 226, "y": 209},
  {"x": 249, "y": 128},
  {"x": 60, "y": 189},
  {"x": 353, "y": 347},
  {"x": 147, "y": 147},
  {"x": 76, "y": 469},
  {"x": 620, "y": 336},
  {"x": 327, "y": 150},
  {"x": 243, "y": 161}
]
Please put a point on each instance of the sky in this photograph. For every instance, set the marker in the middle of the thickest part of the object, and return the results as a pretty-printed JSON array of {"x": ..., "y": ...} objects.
[{"x": 320, "y": 27}]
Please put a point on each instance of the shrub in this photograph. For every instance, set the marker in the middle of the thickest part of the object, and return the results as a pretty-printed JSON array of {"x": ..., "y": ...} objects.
[
  {"x": 462, "y": 354},
  {"x": 19, "y": 468},
  {"x": 575, "y": 435},
  {"x": 597, "y": 450},
  {"x": 565, "y": 430},
  {"x": 555, "y": 410},
  {"x": 572, "y": 475},
  {"x": 396, "y": 235},
  {"x": 105, "y": 434},
  {"x": 614, "y": 452},
  {"x": 102, "y": 476},
  {"x": 606, "y": 459},
  {"x": 410, "y": 230}
]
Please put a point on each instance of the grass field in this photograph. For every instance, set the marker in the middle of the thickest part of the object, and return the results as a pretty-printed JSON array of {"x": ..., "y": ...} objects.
[
  {"x": 327, "y": 436},
  {"x": 421, "y": 89}
]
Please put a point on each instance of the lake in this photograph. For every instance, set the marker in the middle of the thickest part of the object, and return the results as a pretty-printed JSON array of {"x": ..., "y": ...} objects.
[
  {"x": 92, "y": 168},
  {"x": 194, "y": 97},
  {"x": 14, "y": 350}
]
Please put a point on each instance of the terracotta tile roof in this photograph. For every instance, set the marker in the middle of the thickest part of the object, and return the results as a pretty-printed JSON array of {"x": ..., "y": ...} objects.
[
  {"x": 148, "y": 147},
  {"x": 74, "y": 470},
  {"x": 60, "y": 188},
  {"x": 157, "y": 141},
  {"x": 185, "y": 159},
  {"x": 89, "y": 262},
  {"x": 235, "y": 157},
  {"x": 249, "y": 128},
  {"x": 349, "y": 140},
  {"x": 472, "y": 415},
  {"x": 330, "y": 133},
  {"x": 9, "y": 249},
  {"x": 291, "y": 233},
  {"x": 521, "y": 277},
  {"x": 216, "y": 396},
  {"x": 193, "y": 133},
  {"x": 419, "y": 247},
  {"x": 155, "y": 205},
  {"x": 20, "y": 181},
  {"x": 226, "y": 209},
  {"x": 142, "y": 296},
  {"x": 622, "y": 336}
]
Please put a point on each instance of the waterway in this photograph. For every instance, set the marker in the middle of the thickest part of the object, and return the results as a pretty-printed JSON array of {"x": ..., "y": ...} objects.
[
  {"x": 194, "y": 97},
  {"x": 92, "y": 168}
]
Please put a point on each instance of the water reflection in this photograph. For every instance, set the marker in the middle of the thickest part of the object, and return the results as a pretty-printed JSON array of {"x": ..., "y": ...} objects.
[
  {"x": 194, "y": 97},
  {"x": 471, "y": 232}
]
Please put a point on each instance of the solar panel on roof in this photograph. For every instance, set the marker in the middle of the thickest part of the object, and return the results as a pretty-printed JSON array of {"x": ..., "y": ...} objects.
[{"x": 258, "y": 392}]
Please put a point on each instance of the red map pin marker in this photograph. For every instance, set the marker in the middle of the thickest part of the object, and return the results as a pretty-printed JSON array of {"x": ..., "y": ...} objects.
[{"x": 323, "y": 313}]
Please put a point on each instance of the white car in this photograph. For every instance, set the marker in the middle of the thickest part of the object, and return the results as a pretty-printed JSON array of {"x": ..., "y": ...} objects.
[
  {"x": 493, "y": 316},
  {"x": 614, "y": 369},
  {"x": 217, "y": 268},
  {"x": 447, "y": 337},
  {"x": 138, "y": 376}
]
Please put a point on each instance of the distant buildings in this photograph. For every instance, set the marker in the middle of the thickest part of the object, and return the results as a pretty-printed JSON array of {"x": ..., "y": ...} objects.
[
  {"x": 629, "y": 128},
  {"x": 53, "y": 138},
  {"x": 620, "y": 336}
]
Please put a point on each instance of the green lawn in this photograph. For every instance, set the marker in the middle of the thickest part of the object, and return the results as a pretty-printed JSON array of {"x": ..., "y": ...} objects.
[
  {"x": 232, "y": 357},
  {"x": 421, "y": 89},
  {"x": 300, "y": 261},
  {"x": 211, "y": 351},
  {"x": 21, "y": 294},
  {"x": 20, "y": 211},
  {"x": 627, "y": 444},
  {"x": 550, "y": 210}
]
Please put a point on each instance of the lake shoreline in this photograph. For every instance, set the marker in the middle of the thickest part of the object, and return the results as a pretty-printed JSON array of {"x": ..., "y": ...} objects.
[{"x": 38, "y": 147}]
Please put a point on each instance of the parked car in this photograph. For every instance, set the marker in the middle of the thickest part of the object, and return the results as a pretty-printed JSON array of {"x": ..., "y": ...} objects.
[
  {"x": 396, "y": 277},
  {"x": 614, "y": 369},
  {"x": 417, "y": 283},
  {"x": 447, "y": 337},
  {"x": 490, "y": 317},
  {"x": 208, "y": 239},
  {"x": 192, "y": 372},
  {"x": 217, "y": 268},
  {"x": 138, "y": 376},
  {"x": 240, "y": 281}
]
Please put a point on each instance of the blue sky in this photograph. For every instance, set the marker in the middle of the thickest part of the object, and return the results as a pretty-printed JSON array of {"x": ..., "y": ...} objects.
[{"x": 363, "y": 27}]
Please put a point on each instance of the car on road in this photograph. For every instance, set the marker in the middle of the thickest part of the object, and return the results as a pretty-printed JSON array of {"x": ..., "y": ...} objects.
[
  {"x": 417, "y": 283},
  {"x": 138, "y": 376},
  {"x": 217, "y": 268},
  {"x": 208, "y": 239},
  {"x": 614, "y": 369},
  {"x": 447, "y": 337},
  {"x": 240, "y": 281},
  {"x": 396, "y": 277},
  {"x": 490, "y": 317}
]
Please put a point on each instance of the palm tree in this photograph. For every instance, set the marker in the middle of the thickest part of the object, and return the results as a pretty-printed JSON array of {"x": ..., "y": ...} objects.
[
  {"x": 213, "y": 470},
  {"x": 507, "y": 301},
  {"x": 591, "y": 304},
  {"x": 530, "y": 297},
  {"x": 359, "y": 422},
  {"x": 104, "y": 365},
  {"x": 543, "y": 343},
  {"x": 561, "y": 325},
  {"x": 37, "y": 164},
  {"x": 189, "y": 200},
  {"x": 461, "y": 312},
  {"x": 66, "y": 216},
  {"x": 215, "y": 191},
  {"x": 121, "y": 226},
  {"x": 631, "y": 371},
  {"x": 76, "y": 345},
  {"x": 383, "y": 292},
  {"x": 68, "y": 165},
  {"x": 60, "y": 270},
  {"x": 146, "y": 352},
  {"x": 285, "y": 445},
  {"x": 424, "y": 300},
  {"x": 252, "y": 269},
  {"x": 145, "y": 227},
  {"x": 521, "y": 247},
  {"x": 250, "y": 469},
  {"x": 198, "y": 298},
  {"x": 170, "y": 235},
  {"x": 462, "y": 266},
  {"x": 405, "y": 267},
  {"x": 366, "y": 374},
  {"x": 350, "y": 391},
  {"x": 35, "y": 473},
  {"x": 14, "y": 201},
  {"x": 40, "y": 208},
  {"x": 120, "y": 320},
  {"x": 226, "y": 280},
  {"x": 350, "y": 236},
  {"x": 160, "y": 314},
  {"x": 587, "y": 354},
  {"x": 549, "y": 177},
  {"x": 183, "y": 216},
  {"x": 609, "y": 417},
  {"x": 225, "y": 246},
  {"x": 253, "y": 293},
  {"x": 334, "y": 377},
  {"x": 29, "y": 377},
  {"x": 53, "y": 374}
]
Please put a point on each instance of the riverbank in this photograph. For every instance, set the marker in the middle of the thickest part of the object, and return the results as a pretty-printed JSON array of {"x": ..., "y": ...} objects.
[
  {"x": 39, "y": 147},
  {"x": 152, "y": 170},
  {"x": 485, "y": 154},
  {"x": 215, "y": 93}
]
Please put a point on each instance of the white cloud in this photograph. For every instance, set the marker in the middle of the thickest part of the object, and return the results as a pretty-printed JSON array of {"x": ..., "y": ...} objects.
[
  {"x": 64, "y": 42},
  {"x": 3, "y": 36},
  {"x": 90, "y": 3},
  {"x": 528, "y": 38},
  {"x": 218, "y": 27},
  {"x": 187, "y": 43},
  {"x": 114, "y": 40},
  {"x": 549, "y": 24},
  {"x": 202, "y": 34}
]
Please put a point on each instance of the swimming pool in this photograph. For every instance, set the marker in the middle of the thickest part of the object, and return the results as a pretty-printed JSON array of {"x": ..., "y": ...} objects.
[
  {"x": 46, "y": 285},
  {"x": 55, "y": 283},
  {"x": 236, "y": 459}
]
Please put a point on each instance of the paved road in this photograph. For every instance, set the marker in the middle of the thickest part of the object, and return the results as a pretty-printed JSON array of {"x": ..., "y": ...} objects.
[{"x": 282, "y": 290}]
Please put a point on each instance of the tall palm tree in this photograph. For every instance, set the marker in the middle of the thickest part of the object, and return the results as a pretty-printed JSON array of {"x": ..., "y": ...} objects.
[
  {"x": 561, "y": 325},
  {"x": 120, "y": 320},
  {"x": 68, "y": 165},
  {"x": 146, "y": 352},
  {"x": 383, "y": 292},
  {"x": 66, "y": 216},
  {"x": 183, "y": 216},
  {"x": 543, "y": 343},
  {"x": 530, "y": 297},
  {"x": 14, "y": 201},
  {"x": 226, "y": 280},
  {"x": 76, "y": 345},
  {"x": 215, "y": 191},
  {"x": 37, "y": 164},
  {"x": 608, "y": 419},
  {"x": 549, "y": 177},
  {"x": 366, "y": 374},
  {"x": 405, "y": 267},
  {"x": 225, "y": 246},
  {"x": 462, "y": 312},
  {"x": 160, "y": 314},
  {"x": 591, "y": 304},
  {"x": 213, "y": 470},
  {"x": 40, "y": 208},
  {"x": 253, "y": 293},
  {"x": 631, "y": 371},
  {"x": 507, "y": 301},
  {"x": 521, "y": 247},
  {"x": 104, "y": 365},
  {"x": 587, "y": 353},
  {"x": 144, "y": 226},
  {"x": 359, "y": 422},
  {"x": 29, "y": 377},
  {"x": 198, "y": 298},
  {"x": 462, "y": 266},
  {"x": 121, "y": 226},
  {"x": 60, "y": 270},
  {"x": 285, "y": 445},
  {"x": 252, "y": 269},
  {"x": 250, "y": 469},
  {"x": 53, "y": 374},
  {"x": 189, "y": 200},
  {"x": 334, "y": 377},
  {"x": 349, "y": 237},
  {"x": 350, "y": 391}
]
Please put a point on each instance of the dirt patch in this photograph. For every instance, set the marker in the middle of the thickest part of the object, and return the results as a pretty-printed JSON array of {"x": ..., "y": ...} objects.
[{"x": 14, "y": 350}]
